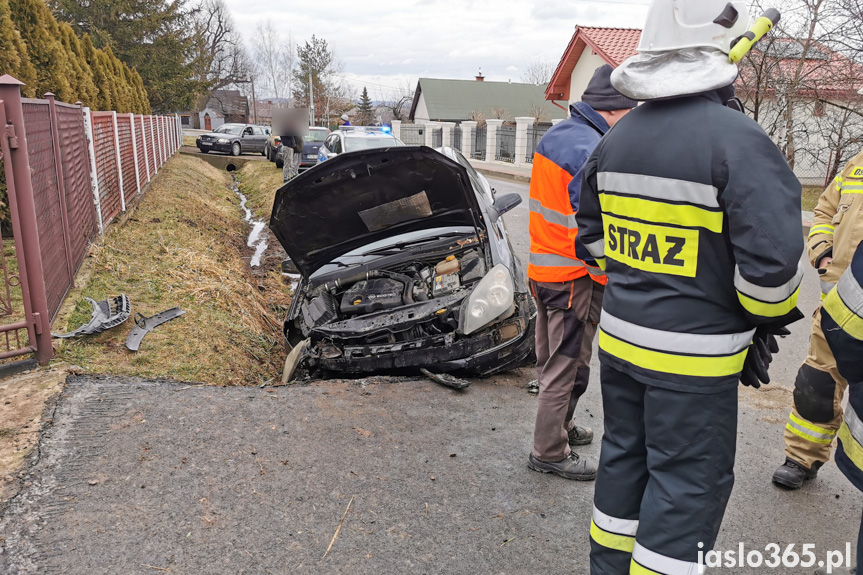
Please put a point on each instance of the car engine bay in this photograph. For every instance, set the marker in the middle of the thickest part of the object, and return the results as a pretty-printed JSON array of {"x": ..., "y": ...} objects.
[{"x": 407, "y": 302}]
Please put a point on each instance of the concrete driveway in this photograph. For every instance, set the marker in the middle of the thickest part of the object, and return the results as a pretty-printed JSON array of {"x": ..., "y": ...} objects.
[{"x": 151, "y": 477}]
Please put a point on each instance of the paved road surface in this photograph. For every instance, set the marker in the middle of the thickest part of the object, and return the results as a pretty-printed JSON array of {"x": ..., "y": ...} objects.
[{"x": 148, "y": 477}]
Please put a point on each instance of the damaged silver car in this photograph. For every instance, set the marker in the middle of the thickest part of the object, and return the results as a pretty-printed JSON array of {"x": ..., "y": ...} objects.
[{"x": 405, "y": 264}]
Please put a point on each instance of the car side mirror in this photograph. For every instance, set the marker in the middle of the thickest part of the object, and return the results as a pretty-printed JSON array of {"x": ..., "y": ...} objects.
[
  {"x": 503, "y": 204},
  {"x": 289, "y": 267}
]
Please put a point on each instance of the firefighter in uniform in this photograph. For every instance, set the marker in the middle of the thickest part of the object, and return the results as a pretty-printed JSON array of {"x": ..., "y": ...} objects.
[
  {"x": 695, "y": 215},
  {"x": 842, "y": 321},
  {"x": 817, "y": 411},
  {"x": 565, "y": 280}
]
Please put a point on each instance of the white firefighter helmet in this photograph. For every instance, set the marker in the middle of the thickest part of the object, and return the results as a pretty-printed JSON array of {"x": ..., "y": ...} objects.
[
  {"x": 677, "y": 24},
  {"x": 684, "y": 49}
]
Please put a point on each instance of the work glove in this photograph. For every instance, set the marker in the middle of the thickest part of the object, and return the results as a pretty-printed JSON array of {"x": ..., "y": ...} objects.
[
  {"x": 764, "y": 345},
  {"x": 760, "y": 355}
]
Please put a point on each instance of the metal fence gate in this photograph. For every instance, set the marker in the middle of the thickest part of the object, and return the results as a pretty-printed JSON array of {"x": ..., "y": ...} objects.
[
  {"x": 437, "y": 137},
  {"x": 505, "y": 144},
  {"x": 535, "y": 132},
  {"x": 455, "y": 138},
  {"x": 479, "y": 136}
]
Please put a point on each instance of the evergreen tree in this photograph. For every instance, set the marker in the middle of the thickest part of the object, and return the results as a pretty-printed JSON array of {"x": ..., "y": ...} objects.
[
  {"x": 40, "y": 32},
  {"x": 365, "y": 110},
  {"x": 14, "y": 59},
  {"x": 82, "y": 77},
  {"x": 102, "y": 101},
  {"x": 153, "y": 37}
]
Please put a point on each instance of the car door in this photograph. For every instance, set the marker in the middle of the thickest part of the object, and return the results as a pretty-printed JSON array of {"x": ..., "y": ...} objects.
[
  {"x": 248, "y": 139},
  {"x": 324, "y": 152},
  {"x": 260, "y": 138}
]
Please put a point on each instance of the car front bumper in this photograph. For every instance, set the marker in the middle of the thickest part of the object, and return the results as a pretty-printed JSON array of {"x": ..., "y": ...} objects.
[
  {"x": 485, "y": 354},
  {"x": 215, "y": 147}
]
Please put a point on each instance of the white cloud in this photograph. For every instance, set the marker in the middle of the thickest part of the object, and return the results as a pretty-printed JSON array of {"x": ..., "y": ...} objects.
[{"x": 437, "y": 38}]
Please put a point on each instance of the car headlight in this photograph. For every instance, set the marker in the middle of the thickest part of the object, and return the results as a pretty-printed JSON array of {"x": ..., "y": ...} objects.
[
  {"x": 492, "y": 297},
  {"x": 222, "y": 140}
]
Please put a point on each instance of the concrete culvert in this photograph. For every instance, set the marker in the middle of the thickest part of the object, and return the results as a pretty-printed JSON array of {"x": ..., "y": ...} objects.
[{"x": 231, "y": 168}]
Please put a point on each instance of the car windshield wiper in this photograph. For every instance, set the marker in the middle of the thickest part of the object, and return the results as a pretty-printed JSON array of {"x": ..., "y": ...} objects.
[{"x": 402, "y": 245}]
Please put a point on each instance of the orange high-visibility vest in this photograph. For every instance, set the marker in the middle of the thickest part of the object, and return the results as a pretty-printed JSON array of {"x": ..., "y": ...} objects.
[{"x": 553, "y": 227}]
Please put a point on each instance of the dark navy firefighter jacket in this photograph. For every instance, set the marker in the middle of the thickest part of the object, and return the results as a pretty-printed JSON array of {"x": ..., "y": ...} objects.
[{"x": 695, "y": 215}]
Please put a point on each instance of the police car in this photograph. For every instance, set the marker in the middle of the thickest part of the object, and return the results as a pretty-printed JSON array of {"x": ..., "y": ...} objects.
[{"x": 356, "y": 138}]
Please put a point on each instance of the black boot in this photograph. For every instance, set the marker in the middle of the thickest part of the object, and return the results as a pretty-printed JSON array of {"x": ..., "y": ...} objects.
[{"x": 791, "y": 474}]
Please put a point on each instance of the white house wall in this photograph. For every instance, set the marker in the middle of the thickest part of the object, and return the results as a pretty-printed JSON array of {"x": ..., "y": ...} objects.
[
  {"x": 421, "y": 115},
  {"x": 215, "y": 120},
  {"x": 812, "y": 137},
  {"x": 582, "y": 73}
]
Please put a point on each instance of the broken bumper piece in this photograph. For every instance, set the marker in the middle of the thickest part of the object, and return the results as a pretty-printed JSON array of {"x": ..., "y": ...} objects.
[
  {"x": 106, "y": 314},
  {"x": 144, "y": 325}
]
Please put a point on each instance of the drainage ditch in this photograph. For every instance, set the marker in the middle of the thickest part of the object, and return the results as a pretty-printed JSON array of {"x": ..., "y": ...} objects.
[{"x": 257, "y": 239}]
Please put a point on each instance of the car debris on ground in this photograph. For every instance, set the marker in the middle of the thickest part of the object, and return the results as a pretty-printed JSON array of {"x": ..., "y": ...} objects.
[
  {"x": 107, "y": 314},
  {"x": 144, "y": 325}
]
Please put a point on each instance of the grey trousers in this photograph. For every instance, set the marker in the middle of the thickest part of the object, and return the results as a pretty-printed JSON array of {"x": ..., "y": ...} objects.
[
  {"x": 567, "y": 316},
  {"x": 290, "y": 163}
]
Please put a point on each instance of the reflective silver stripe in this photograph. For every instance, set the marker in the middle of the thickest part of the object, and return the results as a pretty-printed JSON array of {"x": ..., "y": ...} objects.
[
  {"x": 855, "y": 426},
  {"x": 662, "y": 564},
  {"x": 675, "y": 342},
  {"x": 614, "y": 525},
  {"x": 810, "y": 432},
  {"x": 553, "y": 216},
  {"x": 597, "y": 248},
  {"x": 826, "y": 287},
  {"x": 554, "y": 261},
  {"x": 768, "y": 294},
  {"x": 659, "y": 188},
  {"x": 851, "y": 292}
]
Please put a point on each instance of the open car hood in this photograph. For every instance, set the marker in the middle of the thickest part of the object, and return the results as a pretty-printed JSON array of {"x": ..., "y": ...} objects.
[{"x": 358, "y": 198}]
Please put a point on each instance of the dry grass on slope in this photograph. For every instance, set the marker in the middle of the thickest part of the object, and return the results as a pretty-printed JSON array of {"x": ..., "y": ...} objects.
[{"x": 185, "y": 245}]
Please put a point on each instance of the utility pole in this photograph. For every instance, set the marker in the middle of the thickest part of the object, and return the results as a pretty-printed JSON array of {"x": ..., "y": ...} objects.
[
  {"x": 254, "y": 102},
  {"x": 311, "y": 100}
]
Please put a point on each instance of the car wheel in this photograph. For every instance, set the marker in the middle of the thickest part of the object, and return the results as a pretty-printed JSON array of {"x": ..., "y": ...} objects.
[
  {"x": 235, "y": 149},
  {"x": 272, "y": 155},
  {"x": 205, "y": 151},
  {"x": 280, "y": 163}
]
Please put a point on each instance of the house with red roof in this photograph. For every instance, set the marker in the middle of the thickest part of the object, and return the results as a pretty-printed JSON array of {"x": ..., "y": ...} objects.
[
  {"x": 817, "y": 93},
  {"x": 589, "y": 49}
]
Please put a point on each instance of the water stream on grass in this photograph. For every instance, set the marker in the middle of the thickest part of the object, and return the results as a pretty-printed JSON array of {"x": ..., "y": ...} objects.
[{"x": 257, "y": 239}]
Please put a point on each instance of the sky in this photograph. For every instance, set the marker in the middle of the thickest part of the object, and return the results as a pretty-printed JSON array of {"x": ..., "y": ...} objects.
[{"x": 385, "y": 48}]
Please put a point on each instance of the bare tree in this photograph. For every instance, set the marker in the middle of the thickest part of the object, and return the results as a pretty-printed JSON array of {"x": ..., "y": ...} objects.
[
  {"x": 397, "y": 102},
  {"x": 539, "y": 112},
  {"x": 218, "y": 54},
  {"x": 538, "y": 72},
  {"x": 274, "y": 60},
  {"x": 479, "y": 117},
  {"x": 499, "y": 113},
  {"x": 800, "y": 88}
]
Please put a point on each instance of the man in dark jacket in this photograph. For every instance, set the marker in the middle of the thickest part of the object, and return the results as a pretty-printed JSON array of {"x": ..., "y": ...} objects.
[
  {"x": 564, "y": 278},
  {"x": 695, "y": 216}
]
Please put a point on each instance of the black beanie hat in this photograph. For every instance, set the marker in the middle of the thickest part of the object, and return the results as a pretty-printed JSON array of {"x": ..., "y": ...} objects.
[{"x": 601, "y": 95}]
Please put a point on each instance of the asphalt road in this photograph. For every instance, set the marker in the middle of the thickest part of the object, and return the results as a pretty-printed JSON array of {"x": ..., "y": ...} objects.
[{"x": 149, "y": 477}]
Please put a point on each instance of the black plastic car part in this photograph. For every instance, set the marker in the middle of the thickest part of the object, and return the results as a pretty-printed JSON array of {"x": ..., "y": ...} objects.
[{"x": 144, "y": 325}]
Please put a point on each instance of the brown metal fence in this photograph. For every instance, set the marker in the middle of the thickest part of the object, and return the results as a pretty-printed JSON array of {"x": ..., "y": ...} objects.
[
  {"x": 107, "y": 174},
  {"x": 127, "y": 156},
  {"x": 69, "y": 172},
  {"x": 56, "y": 262}
]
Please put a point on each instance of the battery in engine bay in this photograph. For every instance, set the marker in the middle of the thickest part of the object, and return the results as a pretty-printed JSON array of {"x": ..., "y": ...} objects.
[{"x": 445, "y": 284}]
